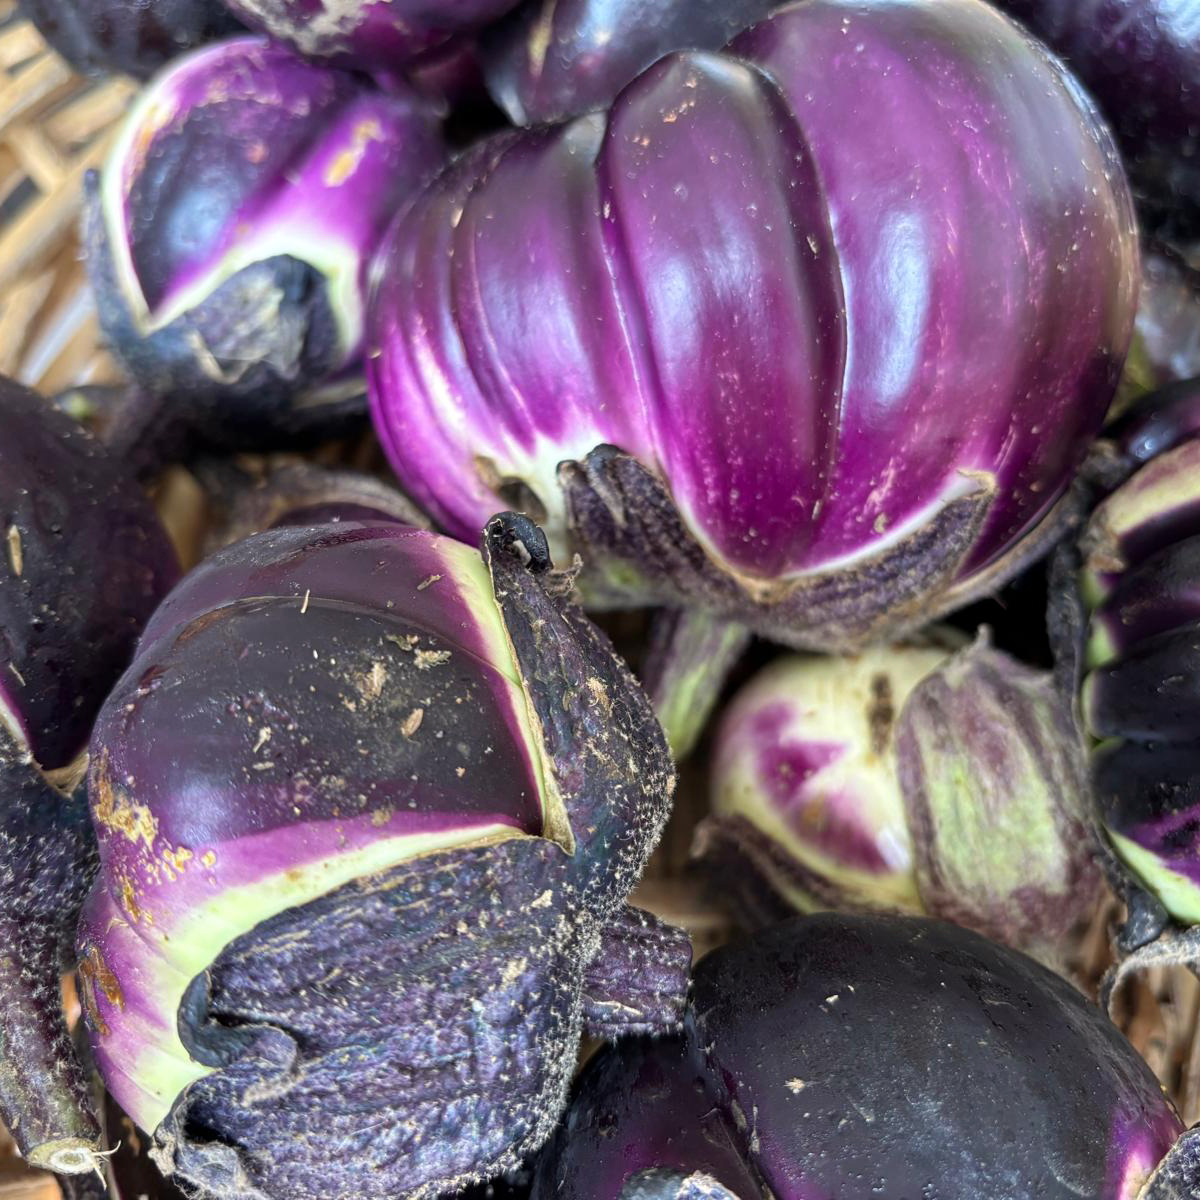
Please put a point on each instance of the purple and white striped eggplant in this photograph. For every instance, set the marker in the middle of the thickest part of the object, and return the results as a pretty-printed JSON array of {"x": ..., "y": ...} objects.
[
  {"x": 811, "y": 333},
  {"x": 906, "y": 780},
  {"x": 83, "y": 561},
  {"x": 553, "y": 59},
  {"x": 379, "y": 35},
  {"x": 865, "y": 1057},
  {"x": 1140, "y": 694},
  {"x": 369, "y": 809},
  {"x": 229, "y": 231}
]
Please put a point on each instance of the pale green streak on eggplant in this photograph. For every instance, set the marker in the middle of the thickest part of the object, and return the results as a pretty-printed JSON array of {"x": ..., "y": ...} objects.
[
  {"x": 1092, "y": 589},
  {"x": 1179, "y": 894},
  {"x": 1167, "y": 484},
  {"x": 1101, "y": 649},
  {"x": 163, "y": 1068}
]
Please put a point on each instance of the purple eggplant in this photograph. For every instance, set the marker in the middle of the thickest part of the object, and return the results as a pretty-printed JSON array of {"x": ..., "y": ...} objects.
[
  {"x": 783, "y": 335},
  {"x": 134, "y": 36},
  {"x": 373, "y": 35},
  {"x": 864, "y": 1057},
  {"x": 369, "y": 809},
  {"x": 83, "y": 561},
  {"x": 229, "y": 231},
  {"x": 553, "y": 59},
  {"x": 1141, "y": 60},
  {"x": 908, "y": 779}
]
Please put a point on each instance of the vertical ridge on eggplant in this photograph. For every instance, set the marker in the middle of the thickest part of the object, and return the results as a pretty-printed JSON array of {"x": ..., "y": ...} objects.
[{"x": 780, "y": 334}]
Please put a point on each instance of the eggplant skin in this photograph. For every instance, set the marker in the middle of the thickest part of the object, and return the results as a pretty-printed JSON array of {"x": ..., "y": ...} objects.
[
  {"x": 1141, "y": 61},
  {"x": 862, "y": 1056},
  {"x": 135, "y": 37}
]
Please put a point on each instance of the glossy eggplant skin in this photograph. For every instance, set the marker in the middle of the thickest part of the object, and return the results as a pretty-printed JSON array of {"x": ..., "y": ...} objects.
[
  {"x": 554, "y": 59},
  {"x": 136, "y": 37},
  {"x": 230, "y": 228},
  {"x": 776, "y": 335},
  {"x": 860, "y": 1057},
  {"x": 1141, "y": 61}
]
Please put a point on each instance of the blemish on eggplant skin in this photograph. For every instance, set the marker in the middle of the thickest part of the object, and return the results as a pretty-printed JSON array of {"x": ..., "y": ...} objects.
[{"x": 16, "y": 555}]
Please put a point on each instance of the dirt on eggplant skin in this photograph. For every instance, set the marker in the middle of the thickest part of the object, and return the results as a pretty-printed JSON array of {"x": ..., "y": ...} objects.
[
  {"x": 881, "y": 715},
  {"x": 418, "y": 1029}
]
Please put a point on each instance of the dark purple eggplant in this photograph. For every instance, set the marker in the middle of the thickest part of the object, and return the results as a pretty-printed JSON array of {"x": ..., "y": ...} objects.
[
  {"x": 83, "y": 561},
  {"x": 1141, "y": 61},
  {"x": 369, "y": 808},
  {"x": 134, "y": 36},
  {"x": 874, "y": 1057},
  {"x": 230, "y": 229}
]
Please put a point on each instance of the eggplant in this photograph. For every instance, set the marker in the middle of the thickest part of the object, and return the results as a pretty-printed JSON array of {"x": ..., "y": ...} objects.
[{"x": 865, "y": 1056}]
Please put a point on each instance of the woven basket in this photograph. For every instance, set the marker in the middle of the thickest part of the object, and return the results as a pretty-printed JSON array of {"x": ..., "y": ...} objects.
[{"x": 54, "y": 127}]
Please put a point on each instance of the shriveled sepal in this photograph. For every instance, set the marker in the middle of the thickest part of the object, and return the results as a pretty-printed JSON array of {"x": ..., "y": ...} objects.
[
  {"x": 638, "y": 982},
  {"x": 47, "y": 861},
  {"x": 639, "y": 550},
  {"x": 675, "y": 1185},
  {"x": 1178, "y": 1175},
  {"x": 994, "y": 778}
]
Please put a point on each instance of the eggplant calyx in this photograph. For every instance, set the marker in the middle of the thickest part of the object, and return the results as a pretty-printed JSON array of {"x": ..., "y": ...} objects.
[
  {"x": 1177, "y": 1177},
  {"x": 672, "y": 1185},
  {"x": 640, "y": 551},
  {"x": 1174, "y": 948},
  {"x": 638, "y": 982}
]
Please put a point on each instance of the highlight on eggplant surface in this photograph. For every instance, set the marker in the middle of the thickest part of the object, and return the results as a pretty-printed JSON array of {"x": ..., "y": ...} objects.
[
  {"x": 907, "y": 779},
  {"x": 369, "y": 808},
  {"x": 860, "y": 1056},
  {"x": 636, "y": 326},
  {"x": 83, "y": 561},
  {"x": 553, "y": 59},
  {"x": 229, "y": 230}
]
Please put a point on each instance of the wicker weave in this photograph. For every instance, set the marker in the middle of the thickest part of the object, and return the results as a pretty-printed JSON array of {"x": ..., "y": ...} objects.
[{"x": 54, "y": 127}]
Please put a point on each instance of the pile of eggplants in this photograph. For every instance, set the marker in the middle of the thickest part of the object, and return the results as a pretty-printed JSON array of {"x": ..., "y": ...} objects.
[{"x": 802, "y": 325}]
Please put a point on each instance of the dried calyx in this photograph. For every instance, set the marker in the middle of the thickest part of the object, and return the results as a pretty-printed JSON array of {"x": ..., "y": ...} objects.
[
  {"x": 83, "y": 561},
  {"x": 358, "y": 758}
]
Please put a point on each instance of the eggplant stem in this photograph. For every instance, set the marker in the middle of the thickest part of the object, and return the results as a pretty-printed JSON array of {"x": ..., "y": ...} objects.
[{"x": 47, "y": 859}]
